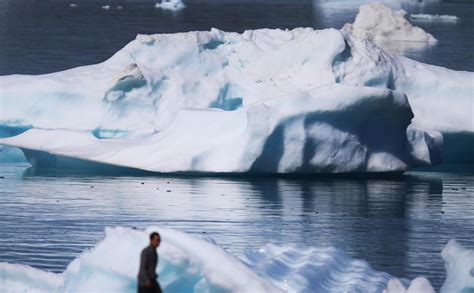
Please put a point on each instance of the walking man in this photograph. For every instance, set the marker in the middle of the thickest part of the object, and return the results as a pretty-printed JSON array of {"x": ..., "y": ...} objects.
[{"x": 147, "y": 282}]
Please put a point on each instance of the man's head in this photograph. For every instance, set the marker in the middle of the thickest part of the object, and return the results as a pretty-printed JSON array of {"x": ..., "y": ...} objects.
[{"x": 155, "y": 239}]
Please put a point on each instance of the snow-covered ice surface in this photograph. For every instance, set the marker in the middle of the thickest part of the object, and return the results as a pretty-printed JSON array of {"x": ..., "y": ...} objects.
[
  {"x": 174, "y": 5},
  {"x": 378, "y": 22},
  {"x": 218, "y": 102},
  {"x": 192, "y": 264},
  {"x": 435, "y": 17}
]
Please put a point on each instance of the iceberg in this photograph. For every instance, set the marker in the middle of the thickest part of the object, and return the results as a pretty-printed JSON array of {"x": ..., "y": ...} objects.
[
  {"x": 174, "y": 5},
  {"x": 459, "y": 265},
  {"x": 218, "y": 102},
  {"x": 192, "y": 264},
  {"x": 418, "y": 285},
  {"x": 378, "y": 22}
]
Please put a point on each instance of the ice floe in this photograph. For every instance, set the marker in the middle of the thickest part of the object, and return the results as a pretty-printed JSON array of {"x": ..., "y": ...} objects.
[
  {"x": 193, "y": 264},
  {"x": 174, "y": 5},
  {"x": 378, "y": 22}
]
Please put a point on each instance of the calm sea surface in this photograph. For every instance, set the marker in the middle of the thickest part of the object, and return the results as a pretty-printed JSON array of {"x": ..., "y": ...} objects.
[
  {"x": 399, "y": 225},
  {"x": 48, "y": 35}
]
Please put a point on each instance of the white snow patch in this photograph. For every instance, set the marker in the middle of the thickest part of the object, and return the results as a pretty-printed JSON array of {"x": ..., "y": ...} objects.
[
  {"x": 174, "y": 5},
  {"x": 378, "y": 22}
]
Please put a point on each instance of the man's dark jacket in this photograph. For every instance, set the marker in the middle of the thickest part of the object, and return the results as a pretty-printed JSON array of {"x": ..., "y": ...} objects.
[{"x": 148, "y": 261}]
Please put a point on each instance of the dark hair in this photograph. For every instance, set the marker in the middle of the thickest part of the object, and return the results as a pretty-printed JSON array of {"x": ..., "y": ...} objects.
[{"x": 152, "y": 235}]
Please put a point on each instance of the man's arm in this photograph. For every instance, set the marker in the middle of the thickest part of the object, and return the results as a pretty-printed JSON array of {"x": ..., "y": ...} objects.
[
  {"x": 150, "y": 268},
  {"x": 144, "y": 264}
]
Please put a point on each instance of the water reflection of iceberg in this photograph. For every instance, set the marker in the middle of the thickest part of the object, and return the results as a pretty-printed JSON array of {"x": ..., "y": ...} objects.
[{"x": 405, "y": 47}]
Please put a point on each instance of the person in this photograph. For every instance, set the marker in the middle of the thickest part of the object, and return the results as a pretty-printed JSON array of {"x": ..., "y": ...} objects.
[{"x": 147, "y": 282}]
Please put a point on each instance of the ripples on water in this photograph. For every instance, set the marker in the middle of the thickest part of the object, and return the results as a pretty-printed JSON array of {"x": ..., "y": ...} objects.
[{"x": 399, "y": 225}]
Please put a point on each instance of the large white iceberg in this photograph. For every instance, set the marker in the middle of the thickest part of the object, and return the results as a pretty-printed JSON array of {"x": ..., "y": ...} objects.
[
  {"x": 192, "y": 264},
  {"x": 378, "y": 22},
  {"x": 273, "y": 101}
]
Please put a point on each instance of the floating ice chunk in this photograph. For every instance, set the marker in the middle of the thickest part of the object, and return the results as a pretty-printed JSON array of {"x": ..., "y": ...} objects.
[
  {"x": 418, "y": 285},
  {"x": 106, "y": 7},
  {"x": 72, "y": 5},
  {"x": 119, "y": 7},
  {"x": 174, "y": 5},
  {"x": 435, "y": 17},
  {"x": 191, "y": 264},
  {"x": 459, "y": 265},
  {"x": 379, "y": 22}
]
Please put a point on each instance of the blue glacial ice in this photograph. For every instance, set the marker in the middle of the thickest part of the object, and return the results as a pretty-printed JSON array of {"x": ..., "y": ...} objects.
[
  {"x": 193, "y": 264},
  {"x": 265, "y": 101}
]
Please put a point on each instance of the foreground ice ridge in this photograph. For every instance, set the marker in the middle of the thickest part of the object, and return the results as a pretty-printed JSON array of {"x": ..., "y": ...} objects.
[
  {"x": 378, "y": 22},
  {"x": 270, "y": 101},
  {"x": 192, "y": 264}
]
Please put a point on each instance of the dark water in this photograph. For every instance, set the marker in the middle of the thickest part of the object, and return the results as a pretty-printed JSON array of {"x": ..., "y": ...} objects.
[
  {"x": 399, "y": 225},
  {"x": 48, "y": 35}
]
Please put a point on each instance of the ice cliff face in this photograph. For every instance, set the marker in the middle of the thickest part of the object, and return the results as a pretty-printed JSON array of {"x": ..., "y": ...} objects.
[{"x": 263, "y": 101}]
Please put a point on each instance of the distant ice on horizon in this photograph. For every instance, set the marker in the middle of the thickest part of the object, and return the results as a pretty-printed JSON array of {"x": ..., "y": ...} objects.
[
  {"x": 379, "y": 22},
  {"x": 173, "y": 5}
]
